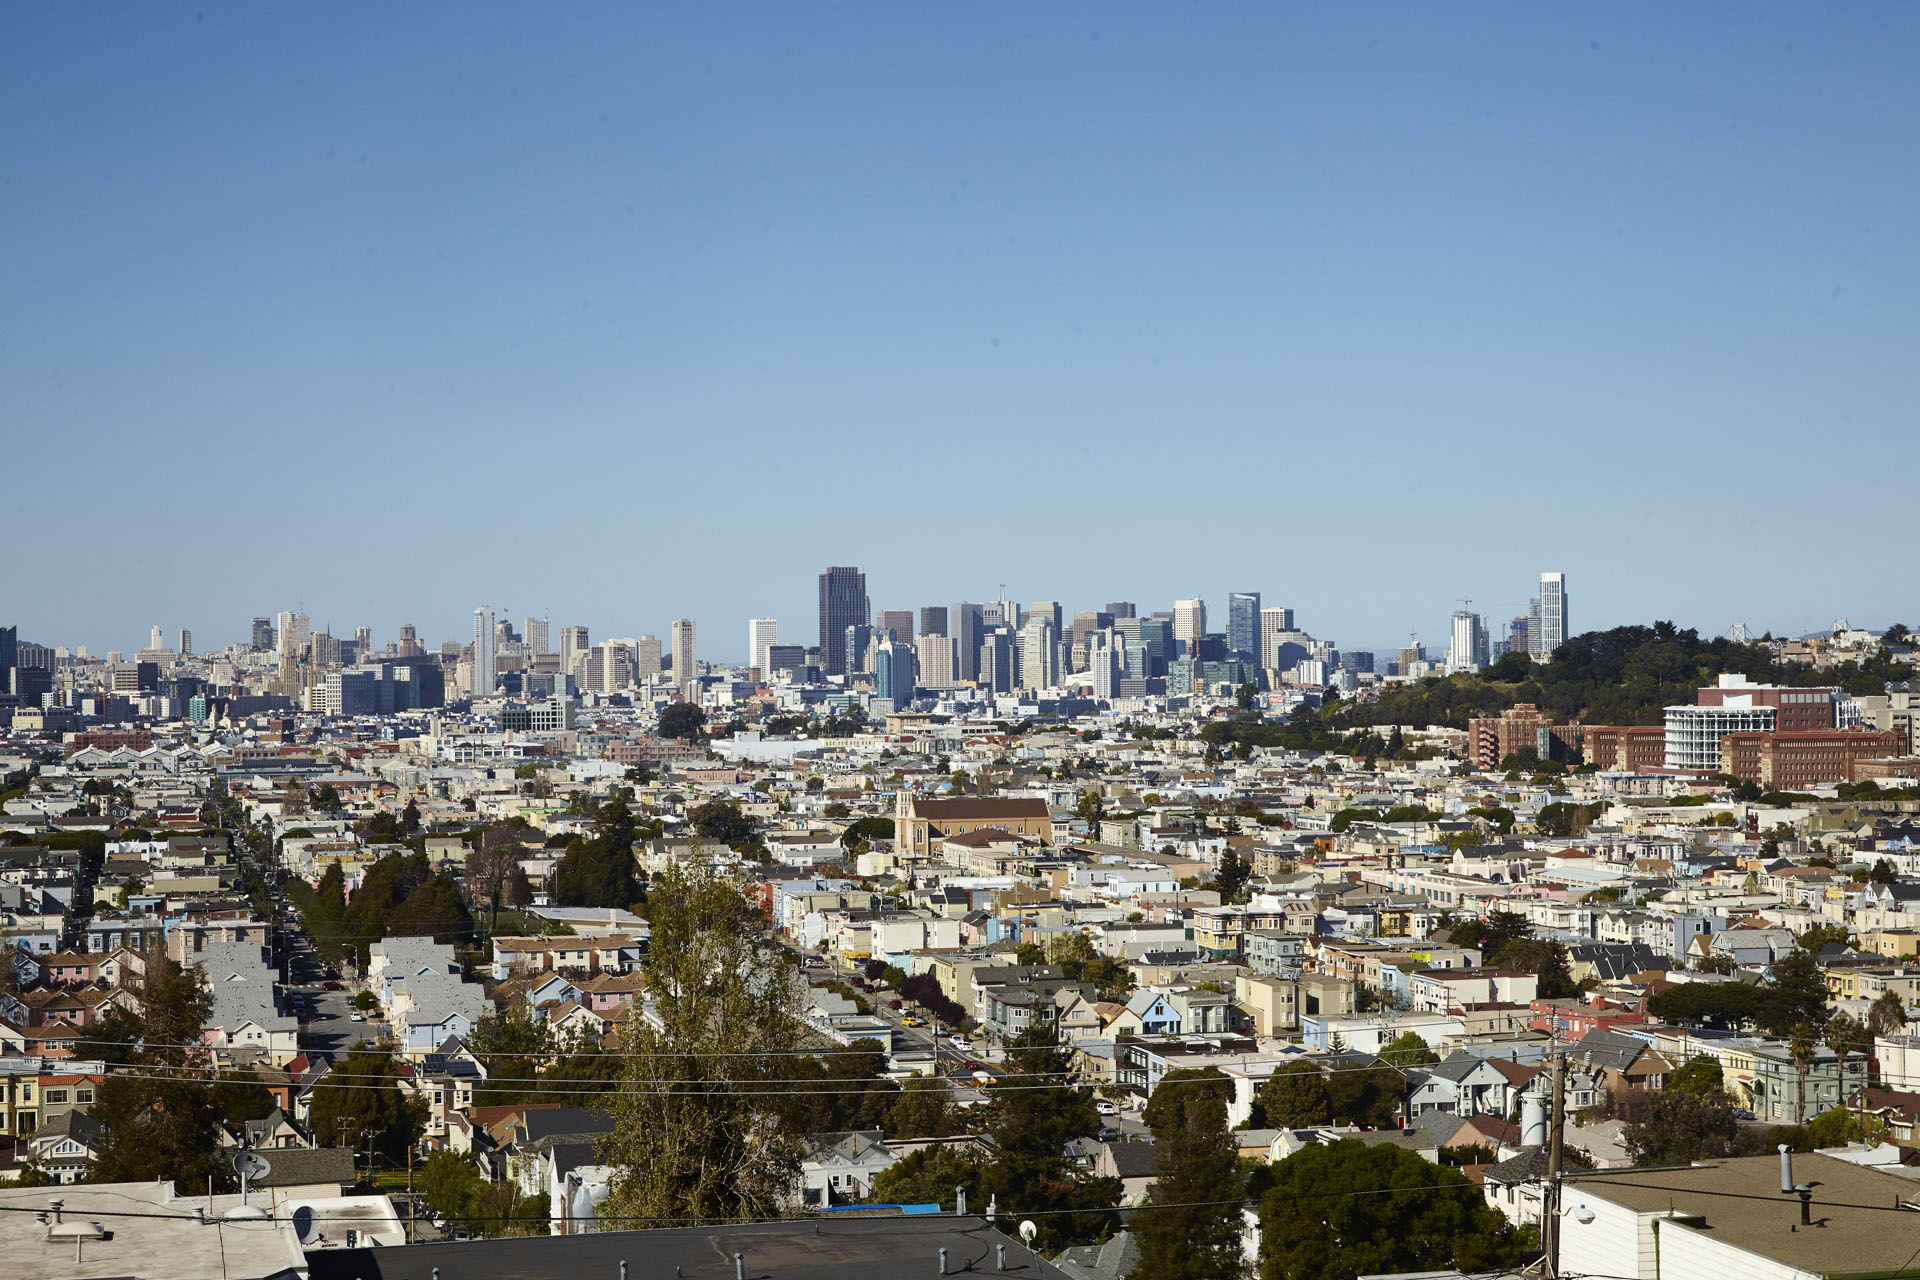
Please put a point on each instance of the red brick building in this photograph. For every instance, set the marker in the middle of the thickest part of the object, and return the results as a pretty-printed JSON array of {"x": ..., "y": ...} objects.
[
  {"x": 1634, "y": 748},
  {"x": 1790, "y": 760}
]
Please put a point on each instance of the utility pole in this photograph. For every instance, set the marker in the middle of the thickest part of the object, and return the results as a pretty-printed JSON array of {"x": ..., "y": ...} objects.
[{"x": 1556, "y": 1137}]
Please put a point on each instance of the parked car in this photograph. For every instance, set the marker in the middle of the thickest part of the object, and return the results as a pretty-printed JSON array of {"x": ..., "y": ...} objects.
[
  {"x": 1106, "y": 1108},
  {"x": 1107, "y": 1133},
  {"x": 332, "y": 986},
  {"x": 909, "y": 1021},
  {"x": 893, "y": 1004},
  {"x": 357, "y": 1016}
]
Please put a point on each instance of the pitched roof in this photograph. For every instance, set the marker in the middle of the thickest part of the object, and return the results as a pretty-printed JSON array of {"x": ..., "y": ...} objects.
[{"x": 978, "y": 809}]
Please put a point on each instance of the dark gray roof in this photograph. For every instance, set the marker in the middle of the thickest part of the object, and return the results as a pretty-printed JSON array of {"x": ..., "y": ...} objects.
[
  {"x": 1112, "y": 1260},
  {"x": 563, "y": 1122},
  {"x": 295, "y": 1166},
  {"x": 830, "y": 1247}
]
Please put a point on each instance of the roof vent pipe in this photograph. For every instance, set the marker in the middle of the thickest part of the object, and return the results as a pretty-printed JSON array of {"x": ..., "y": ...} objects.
[
  {"x": 960, "y": 1201},
  {"x": 943, "y": 1262},
  {"x": 739, "y": 1267},
  {"x": 1786, "y": 1170}
]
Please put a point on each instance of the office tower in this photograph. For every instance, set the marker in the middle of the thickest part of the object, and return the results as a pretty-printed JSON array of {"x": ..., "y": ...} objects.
[
  {"x": 608, "y": 668},
  {"x": 1103, "y": 662},
  {"x": 573, "y": 646},
  {"x": 785, "y": 657},
  {"x": 996, "y": 661},
  {"x": 1517, "y": 636},
  {"x": 968, "y": 624},
  {"x": 1243, "y": 624},
  {"x": 843, "y": 604},
  {"x": 291, "y": 635},
  {"x": 156, "y": 639},
  {"x": 1547, "y": 617},
  {"x": 186, "y": 642},
  {"x": 483, "y": 667},
  {"x": 1039, "y": 664},
  {"x": 857, "y": 649},
  {"x": 684, "y": 668},
  {"x": 898, "y": 621},
  {"x": 1189, "y": 624},
  {"x": 1468, "y": 648},
  {"x": 262, "y": 634},
  {"x": 933, "y": 620},
  {"x": 1050, "y": 610},
  {"x": 1272, "y": 623},
  {"x": 538, "y": 632},
  {"x": 1413, "y": 655},
  {"x": 9, "y": 648},
  {"x": 1121, "y": 609},
  {"x": 762, "y": 634},
  {"x": 996, "y": 613},
  {"x": 935, "y": 653},
  {"x": 363, "y": 641},
  {"x": 893, "y": 671},
  {"x": 646, "y": 657},
  {"x": 1356, "y": 661}
]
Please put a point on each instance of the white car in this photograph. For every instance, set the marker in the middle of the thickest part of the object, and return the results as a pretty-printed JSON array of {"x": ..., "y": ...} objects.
[
  {"x": 357, "y": 1016},
  {"x": 1106, "y": 1108}
]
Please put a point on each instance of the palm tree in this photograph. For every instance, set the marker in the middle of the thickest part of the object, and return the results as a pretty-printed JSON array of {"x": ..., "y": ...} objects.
[{"x": 1801, "y": 1043}]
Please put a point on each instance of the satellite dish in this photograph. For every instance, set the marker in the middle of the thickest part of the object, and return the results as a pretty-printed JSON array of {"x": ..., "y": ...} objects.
[
  {"x": 303, "y": 1223},
  {"x": 250, "y": 1165},
  {"x": 1028, "y": 1231}
]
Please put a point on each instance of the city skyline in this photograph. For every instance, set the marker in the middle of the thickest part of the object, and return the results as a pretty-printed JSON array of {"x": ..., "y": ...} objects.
[{"x": 1467, "y": 262}]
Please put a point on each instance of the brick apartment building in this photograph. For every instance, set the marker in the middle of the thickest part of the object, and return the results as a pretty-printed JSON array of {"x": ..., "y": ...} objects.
[
  {"x": 1634, "y": 748},
  {"x": 1491, "y": 739},
  {"x": 1789, "y": 760}
]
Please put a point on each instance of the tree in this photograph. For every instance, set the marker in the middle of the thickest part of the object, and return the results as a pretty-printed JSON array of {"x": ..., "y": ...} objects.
[
  {"x": 1700, "y": 1076},
  {"x": 929, "y": 1176},
  {"x": 1883, "y": 872},
  {"x": 1539, "y": 956},
  {"x": 682, "y": 720},
  {"x": 1834, "y": 1127},
  {"x": 1324, "y": 1216},
  {"x": 159, "y": 1122},
  {"x": 1409, "y": 1049},
  {"x": 362, "y": 1093},
  {"x": 1795, "y": 995},
  {"x": 1166, "y": 1107},
  {"x": 1192, "y": 1226},
  {"x": 599, "y": 872},
  {"x": 723, "y": 821},
  {"x": 1231, "y": 875},
  {"x": 1243, "y": 697},
  {"x": 1032, "y": 1127},
  {"x": 698, "y": 1136},
  {"x": 1887, "y": 1015},
  {"x": 1822, "y": 936},
  {"x": 1295, "y": 1095},
  {"x": 1681, "y": 1127},
  {"x": 489, "y": 872},
  {"x": 1726, "y": 1005},
  {"x": 410, "y": 819}
]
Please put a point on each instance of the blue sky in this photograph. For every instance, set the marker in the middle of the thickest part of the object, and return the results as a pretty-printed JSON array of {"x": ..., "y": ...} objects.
[{"x": 621, "y": 313}]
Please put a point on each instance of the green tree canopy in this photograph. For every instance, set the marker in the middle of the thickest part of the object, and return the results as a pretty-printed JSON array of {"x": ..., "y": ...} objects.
[
  {"x": 1682, "y": 1126},
  {"x": 1795, "y": 995},
  {"x": 682, "y": 720},
  {"x": 1032, "y": 1127},
  {"x": 362, "y": 1093},
  {"x": 1323, "y": 1217},
  {"x": 1191, "y": 1229}
]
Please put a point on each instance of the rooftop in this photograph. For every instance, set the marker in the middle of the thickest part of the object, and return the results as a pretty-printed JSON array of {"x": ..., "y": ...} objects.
[{"x": 1857, "y": 1227}]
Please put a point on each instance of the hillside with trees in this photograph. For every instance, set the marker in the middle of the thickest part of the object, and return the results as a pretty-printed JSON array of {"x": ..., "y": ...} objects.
[{"x": 1625, "y": 676}]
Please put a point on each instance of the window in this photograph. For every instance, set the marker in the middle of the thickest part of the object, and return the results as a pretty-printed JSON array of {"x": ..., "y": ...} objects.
[
  {"x": 83, "y": 1096},
  {"x": 55, "y": 1096}
]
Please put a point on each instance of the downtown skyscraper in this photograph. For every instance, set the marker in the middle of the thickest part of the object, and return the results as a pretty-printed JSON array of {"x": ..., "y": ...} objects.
[
  {"x": 843, "y": 604},
  {"x": 1547, "y": 617},
  {"x": 483, "y": 666}
]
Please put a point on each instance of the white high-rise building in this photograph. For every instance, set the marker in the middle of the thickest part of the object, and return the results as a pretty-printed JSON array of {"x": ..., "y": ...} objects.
[
  {"x": 573, "y": 646},
  {"x": 1189, "y": 623},
  {"x": 684, "y": 658},
  {"x": 937, "y": 656},
  {"x": 1547, "y": 616},
  {"x": 156, "y": 639},
  {"x": 1468, "y": 649},
  {"x": 1103, "y": 661},
  {"x": 646, "y": 657},
  {"x": 1039, "y": 655},
  {"x": 762, "y": 634},
  {"x": 1272, "y": 623},
  {"x": 483, "y": 666},
  {"x": 536, "y": 632},
  {"x": 291, "y": 634}
]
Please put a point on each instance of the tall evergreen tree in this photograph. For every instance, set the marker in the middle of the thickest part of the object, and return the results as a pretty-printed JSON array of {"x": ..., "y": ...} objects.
[
  {"x": 1190, "y": 1227},
  {"x": 1033, "y": 1124}
]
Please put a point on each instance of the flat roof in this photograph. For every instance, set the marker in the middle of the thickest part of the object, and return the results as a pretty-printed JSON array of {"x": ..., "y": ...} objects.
[
  {"x": 831, "y": 1247},
  {"x": 1741, "y": 1202},
  {"x": 152, "y": 1235}
]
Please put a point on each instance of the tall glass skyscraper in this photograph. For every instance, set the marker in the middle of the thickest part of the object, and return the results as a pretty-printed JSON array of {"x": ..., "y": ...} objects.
[
  {"x": 843, "y": 604},
  {"x": 482, "y": 652},
  {"x": 1243, "y": 624},
  {"x": 1547, "y": 616}
]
